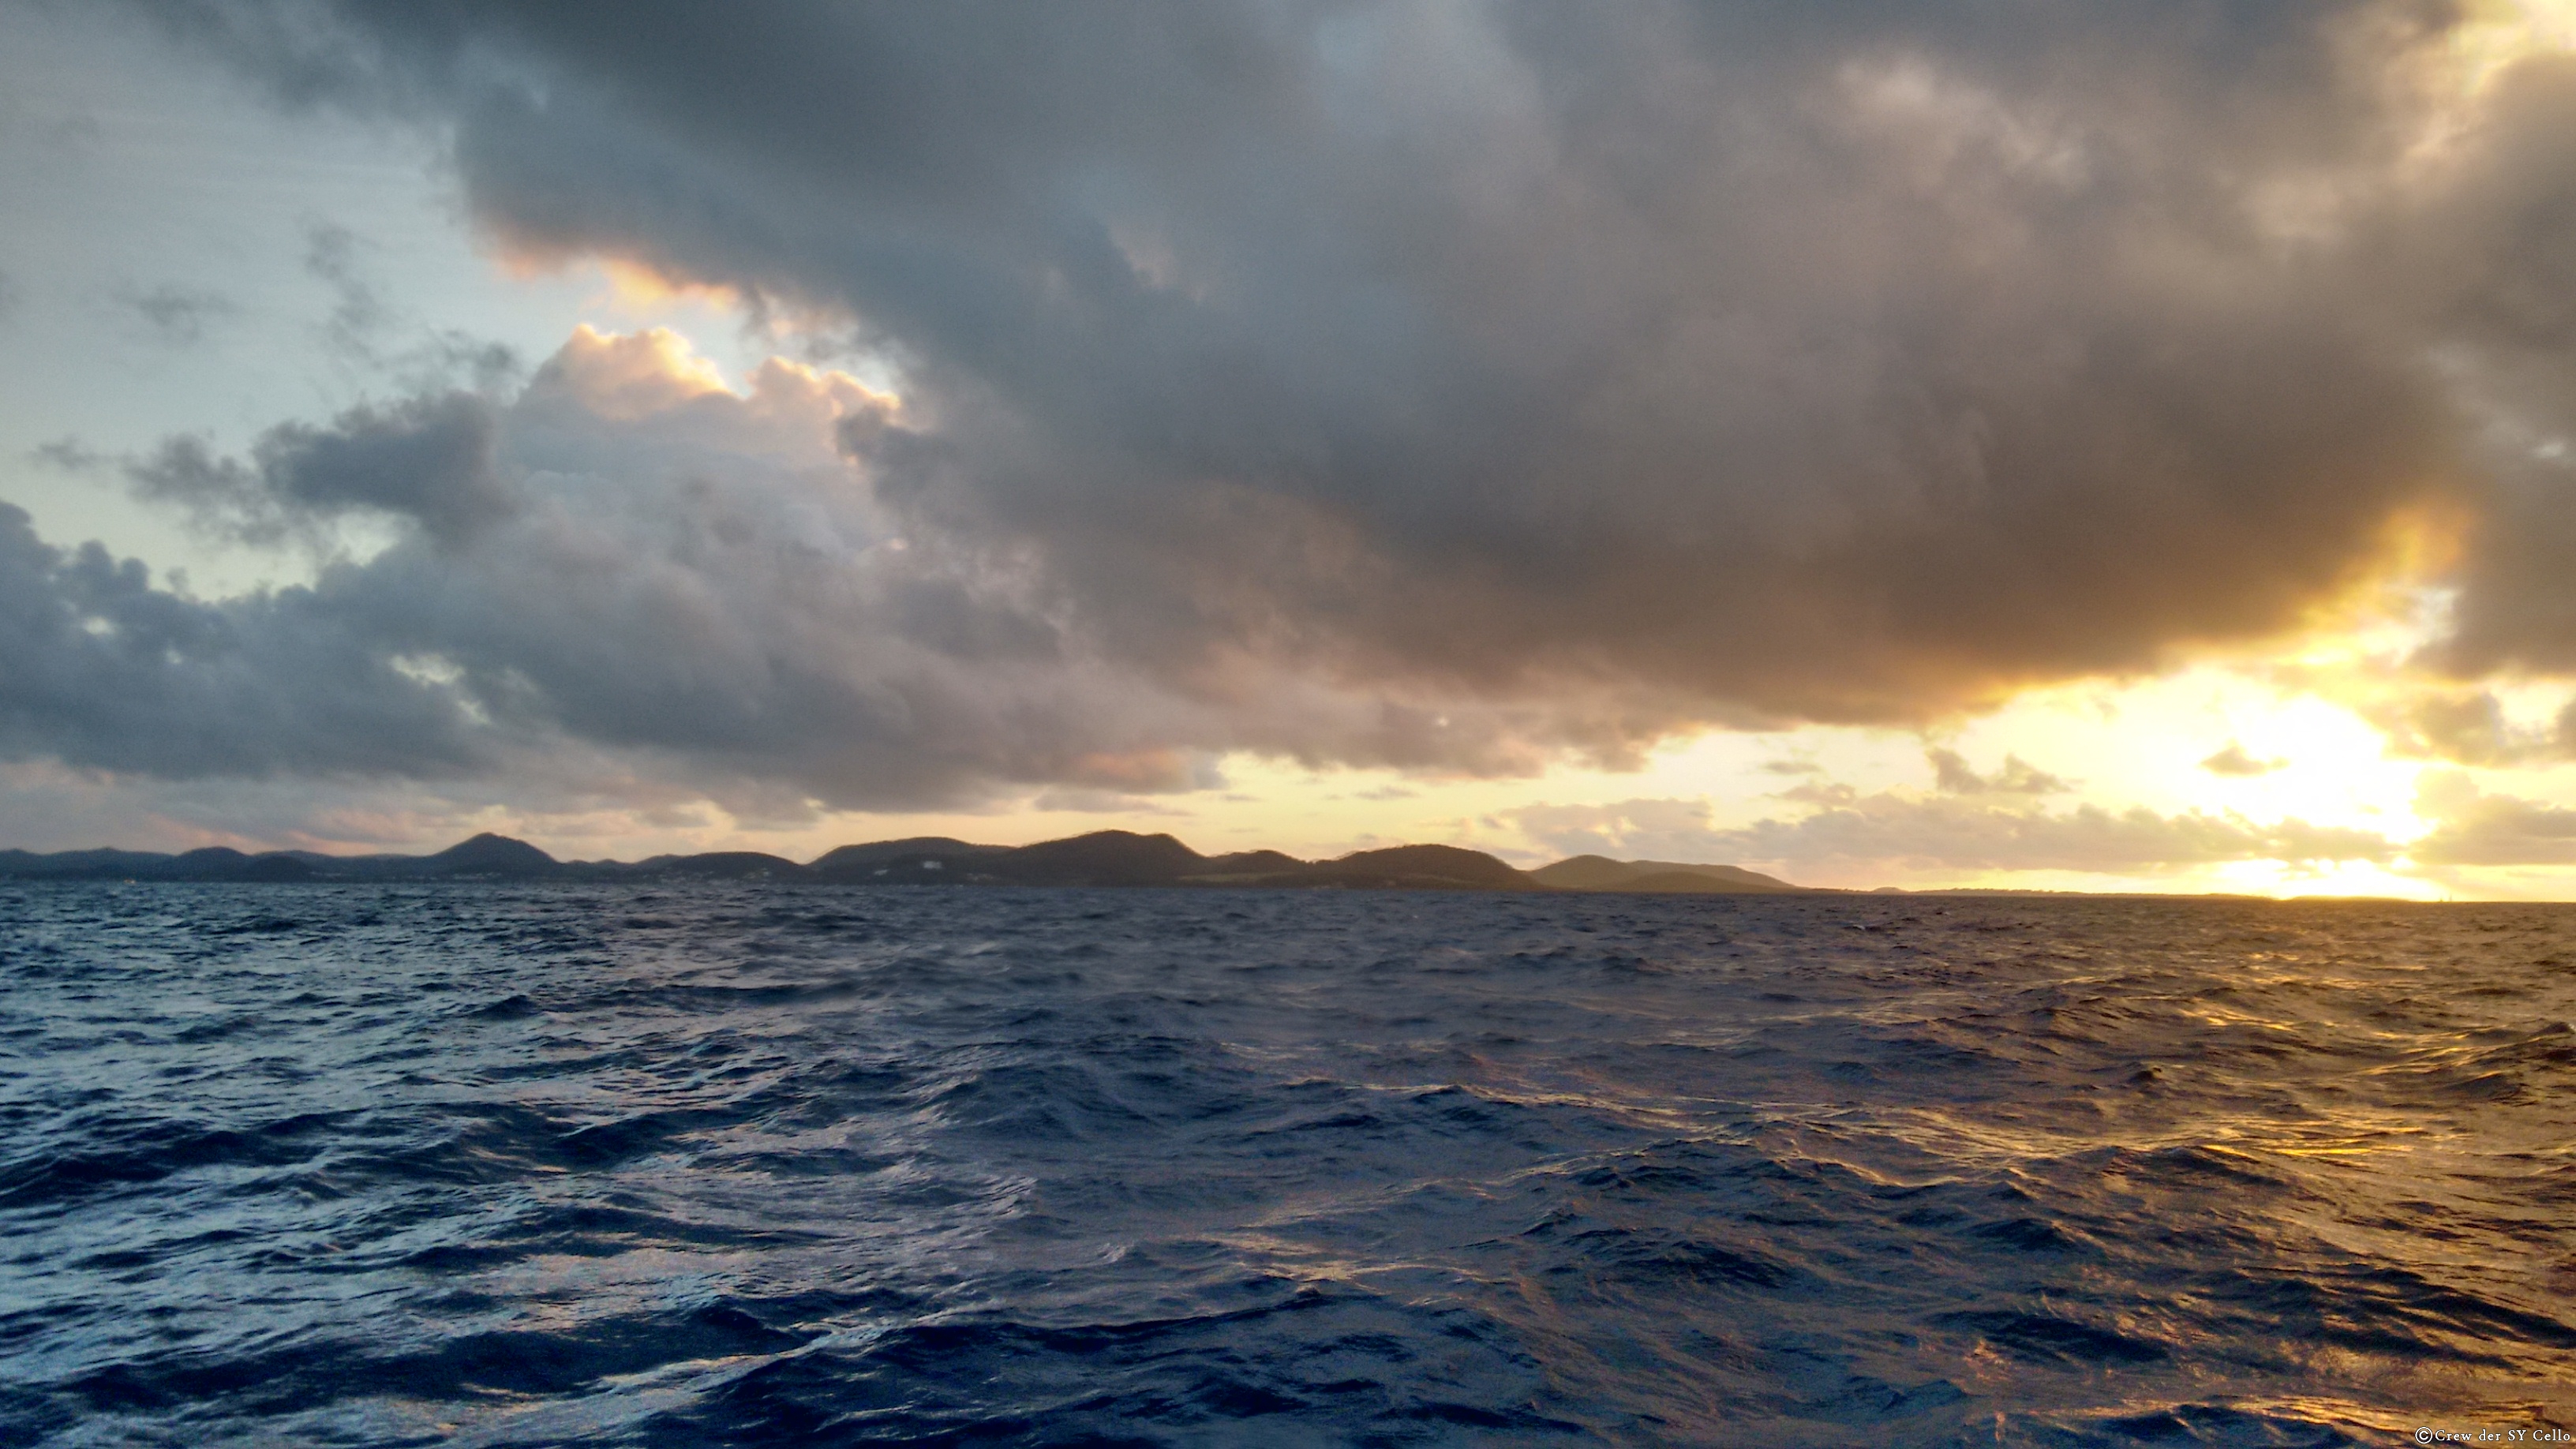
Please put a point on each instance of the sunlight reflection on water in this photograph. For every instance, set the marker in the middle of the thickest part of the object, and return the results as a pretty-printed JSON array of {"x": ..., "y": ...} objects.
[{"x": 724, "y": 1165}]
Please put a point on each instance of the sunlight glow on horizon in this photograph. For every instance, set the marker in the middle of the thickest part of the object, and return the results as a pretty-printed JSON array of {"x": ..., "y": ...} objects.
[{"x": 2294, "y": 709}]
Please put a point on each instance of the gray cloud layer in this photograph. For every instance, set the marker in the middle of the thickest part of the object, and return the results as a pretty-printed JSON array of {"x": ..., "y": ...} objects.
[
  {"x": 430, "y": 459},
  {"x": 104, "y": 670},
  {"x": 622, "y": 557},
  {"x": 1437, "y": 384}
]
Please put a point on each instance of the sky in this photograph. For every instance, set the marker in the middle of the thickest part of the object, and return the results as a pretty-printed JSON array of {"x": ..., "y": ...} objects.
[{"x": 1995, "y": 443}]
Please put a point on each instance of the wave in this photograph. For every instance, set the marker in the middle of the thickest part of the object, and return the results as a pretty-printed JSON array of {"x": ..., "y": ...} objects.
[{"x": 726, "y": 1165}]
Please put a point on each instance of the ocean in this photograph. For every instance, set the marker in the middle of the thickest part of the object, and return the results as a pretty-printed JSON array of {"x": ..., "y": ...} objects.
[{"x": 740, "y": 1165}]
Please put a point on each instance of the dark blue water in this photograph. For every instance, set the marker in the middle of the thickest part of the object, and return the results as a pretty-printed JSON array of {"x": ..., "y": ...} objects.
[{"x": 481, "y": 1165}]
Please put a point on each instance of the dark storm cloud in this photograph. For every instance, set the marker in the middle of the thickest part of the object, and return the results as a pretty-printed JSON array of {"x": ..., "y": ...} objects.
[
  {"x": 104, "y": 670},
  {"x": 2503, "y": 254},
  {"x": 627, "y": 563},
  {"x": 1443, "y": 385},
  {"x": 429, "y": 459},
  {"x": 1731, "y": 361}
]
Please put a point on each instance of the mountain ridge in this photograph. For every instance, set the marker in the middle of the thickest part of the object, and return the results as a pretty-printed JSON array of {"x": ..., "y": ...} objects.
[
  {"x": 1101, "y": 858},
  {"x": 1661, "y": 877}
]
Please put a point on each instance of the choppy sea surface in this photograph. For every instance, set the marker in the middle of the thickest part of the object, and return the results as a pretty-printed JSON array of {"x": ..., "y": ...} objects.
[{"x": 743, "y": 1165}]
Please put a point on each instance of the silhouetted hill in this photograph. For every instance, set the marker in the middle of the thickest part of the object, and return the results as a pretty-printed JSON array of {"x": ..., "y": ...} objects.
[
  {"x": 1422, "y": 867},
  {"x": 85, "y": 864},
  {"x": 1691, "y": 883},
  {"x": 1600, "y": 873},
  {"x": 1101, "y": 858},
  {"x": 1724, "y": 875},
  {"x": 864, "y": 862},
  {"x": 1584, "y": 873},
  {"x": 1250, "y": 867},
  {"x": 492, "y": 855},
  {"x": 208, "y": 863},
  {"x": 274, "y": 867},
  {"x": 723, "y": 865}
]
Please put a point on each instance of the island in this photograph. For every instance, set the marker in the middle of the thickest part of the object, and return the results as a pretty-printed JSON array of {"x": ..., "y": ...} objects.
[{"x": 1102, "y": 858}]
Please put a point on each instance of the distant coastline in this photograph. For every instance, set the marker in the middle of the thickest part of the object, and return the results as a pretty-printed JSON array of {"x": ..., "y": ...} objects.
[{"x": 1103, "y": 858}]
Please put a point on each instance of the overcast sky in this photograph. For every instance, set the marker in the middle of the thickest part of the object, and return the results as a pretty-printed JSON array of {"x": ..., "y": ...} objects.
[{"x": 2111, "y": 446}]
